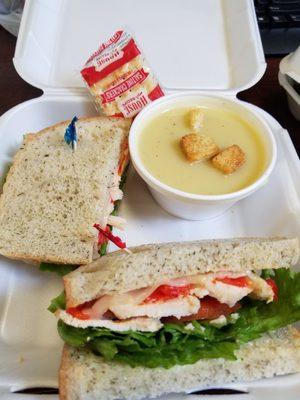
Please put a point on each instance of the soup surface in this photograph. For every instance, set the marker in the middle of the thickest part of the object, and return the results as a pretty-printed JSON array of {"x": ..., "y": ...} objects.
[{"x": 159, "y": 147}]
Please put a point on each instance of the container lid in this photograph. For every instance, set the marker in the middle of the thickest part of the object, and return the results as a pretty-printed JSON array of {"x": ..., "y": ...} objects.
[
  {"x": 290, "y": 65},
  {"x": 191, "y": 45}
]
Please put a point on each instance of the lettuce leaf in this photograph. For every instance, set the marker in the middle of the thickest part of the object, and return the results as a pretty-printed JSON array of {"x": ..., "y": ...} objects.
[
  {"x": 58, "y": 303},
  {"x": 257, "y": 317},
  {"x": 178, "y": 344},
  {"x": 59, "y": 269},
  {"x": 170, "y": 346}
]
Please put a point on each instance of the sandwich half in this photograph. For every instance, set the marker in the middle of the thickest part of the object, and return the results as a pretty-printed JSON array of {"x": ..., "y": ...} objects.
[
  {"x": 53, "y": 196},
  {"x": 180, "y": 317}
]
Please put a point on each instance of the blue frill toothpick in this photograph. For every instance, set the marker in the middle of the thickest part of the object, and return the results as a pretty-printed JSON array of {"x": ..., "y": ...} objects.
[{"x": 71, "y": 135}]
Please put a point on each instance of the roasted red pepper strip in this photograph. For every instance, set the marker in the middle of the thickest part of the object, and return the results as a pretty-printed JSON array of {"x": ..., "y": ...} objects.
[
  {"x": 102, "y": 238},
  {"x": 78, "y": 312},
  {"x": 166, "y": 292},
  {"x": 274, "y": 287},
  {"x": 242, "y": 281},
  {"x": 107, "y": 233}
]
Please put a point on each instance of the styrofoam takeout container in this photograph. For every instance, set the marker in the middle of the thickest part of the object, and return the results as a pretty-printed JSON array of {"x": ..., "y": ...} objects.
[
  {"x": 195, "y": 206},
  {"x": 288, "y": 76},
  {"x": 212, "y": 46}
]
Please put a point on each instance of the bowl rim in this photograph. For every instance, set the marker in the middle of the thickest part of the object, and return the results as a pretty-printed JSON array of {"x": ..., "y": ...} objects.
[{"x": 160, "y": 186}]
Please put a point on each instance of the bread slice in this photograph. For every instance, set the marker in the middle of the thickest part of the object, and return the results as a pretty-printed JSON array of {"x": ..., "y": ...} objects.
[
  {"x": 53, "y": 196},
  {"x": 86, "y": 376},
  {"x": 151, "y": 264}
]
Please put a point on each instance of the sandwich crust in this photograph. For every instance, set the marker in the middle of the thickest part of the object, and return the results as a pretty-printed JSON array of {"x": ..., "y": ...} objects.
[
  {"x": 151, "y": 264},
  {"x": 52, "y": 196},
  {"x": 86, "y": 376}
]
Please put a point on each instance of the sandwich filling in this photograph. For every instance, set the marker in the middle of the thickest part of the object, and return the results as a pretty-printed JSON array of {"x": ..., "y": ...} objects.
[
  {"x": 181, "y": 321},
  {"x": 116, "y": 195},
  {"x": 192, "y": 298}
]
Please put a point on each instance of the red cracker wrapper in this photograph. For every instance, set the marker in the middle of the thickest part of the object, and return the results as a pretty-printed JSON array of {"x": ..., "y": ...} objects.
[{"x": 119, "y": 77}]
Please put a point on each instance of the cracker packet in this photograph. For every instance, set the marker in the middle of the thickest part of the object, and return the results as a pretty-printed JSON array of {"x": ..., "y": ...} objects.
[{"x": 119, "y": 77}]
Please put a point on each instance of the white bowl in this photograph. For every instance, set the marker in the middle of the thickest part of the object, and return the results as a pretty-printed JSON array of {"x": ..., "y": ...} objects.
[{"x": 194, "y": 206}]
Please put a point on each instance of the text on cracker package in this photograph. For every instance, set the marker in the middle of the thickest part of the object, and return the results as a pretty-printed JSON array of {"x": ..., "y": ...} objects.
[{"x": 119, "y": 77}]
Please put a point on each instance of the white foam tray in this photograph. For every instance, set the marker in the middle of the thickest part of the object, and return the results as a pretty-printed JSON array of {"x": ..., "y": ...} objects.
[
  {"x": 55, "y": 38},
  {"x": 29, "y": 345},
  {"x": 192, "y": 45}
]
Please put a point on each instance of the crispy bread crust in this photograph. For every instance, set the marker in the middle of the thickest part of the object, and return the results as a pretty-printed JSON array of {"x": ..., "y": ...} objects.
[{"x": 63, "y": 374}]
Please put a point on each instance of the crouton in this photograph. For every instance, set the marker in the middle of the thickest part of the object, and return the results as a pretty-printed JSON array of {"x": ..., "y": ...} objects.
[
  {"x": 198, "y": 147},
  {"x": 229, "y": 159},
  {"x": 196, "y": 117}
]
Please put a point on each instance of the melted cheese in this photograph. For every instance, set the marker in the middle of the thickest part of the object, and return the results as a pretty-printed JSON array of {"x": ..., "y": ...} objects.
[
  {"x": 219, "y": 322},
  {"x": 260, "y": 289}
]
